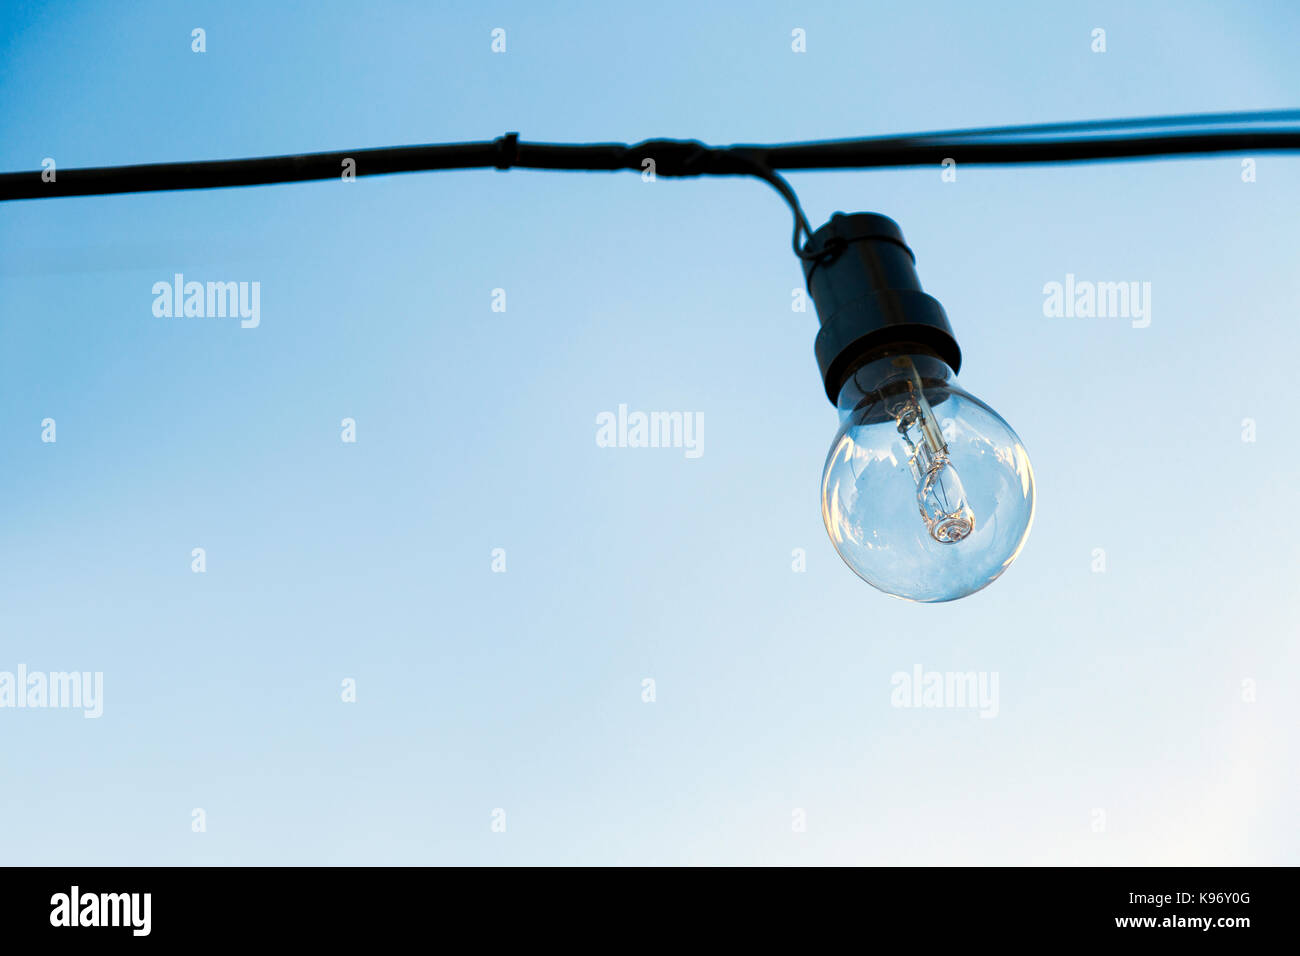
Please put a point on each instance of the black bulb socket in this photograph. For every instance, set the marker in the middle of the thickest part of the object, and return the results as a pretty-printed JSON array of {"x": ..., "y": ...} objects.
[{"x": 862, "y": 279}]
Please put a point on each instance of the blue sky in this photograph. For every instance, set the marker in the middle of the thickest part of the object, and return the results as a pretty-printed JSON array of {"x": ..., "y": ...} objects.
[{"x": 1120, "y": 691}]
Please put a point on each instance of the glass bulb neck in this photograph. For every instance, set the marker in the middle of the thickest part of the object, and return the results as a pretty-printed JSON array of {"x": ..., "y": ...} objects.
[{"x": 881, "y": 382}]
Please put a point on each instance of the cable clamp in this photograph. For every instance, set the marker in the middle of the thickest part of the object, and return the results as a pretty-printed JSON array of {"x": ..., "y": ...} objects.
[{"x": 507, "y": 150}]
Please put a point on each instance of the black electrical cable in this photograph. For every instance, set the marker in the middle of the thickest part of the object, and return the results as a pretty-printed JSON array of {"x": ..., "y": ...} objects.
[
  {"x": 1192, "y": 135},
  {"x": 989, "y": 146},
  {"x": 869, "y": 154},
  {"x": 1204, "y": 120}
]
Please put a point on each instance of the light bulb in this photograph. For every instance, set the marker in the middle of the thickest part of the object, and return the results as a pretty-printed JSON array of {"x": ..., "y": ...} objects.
[{"x": 927, "y": 493}]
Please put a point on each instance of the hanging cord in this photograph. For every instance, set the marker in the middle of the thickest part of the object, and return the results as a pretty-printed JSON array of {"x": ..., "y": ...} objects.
[{"x": 778, "y": 182}]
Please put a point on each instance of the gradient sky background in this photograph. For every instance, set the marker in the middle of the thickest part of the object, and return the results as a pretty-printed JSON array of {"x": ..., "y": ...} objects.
[{"x": 1119, "y": 691}]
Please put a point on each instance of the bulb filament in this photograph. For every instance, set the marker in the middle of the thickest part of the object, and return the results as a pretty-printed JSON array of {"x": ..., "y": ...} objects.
[{"x": 939, "y": 492}]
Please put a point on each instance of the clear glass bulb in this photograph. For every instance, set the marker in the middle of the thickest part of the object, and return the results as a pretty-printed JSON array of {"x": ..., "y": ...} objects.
[{"x": 927, "y": 493}]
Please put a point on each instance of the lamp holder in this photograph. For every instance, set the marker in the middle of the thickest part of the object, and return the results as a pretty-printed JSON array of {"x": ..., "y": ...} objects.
[{"x": 862, "y": 279}]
